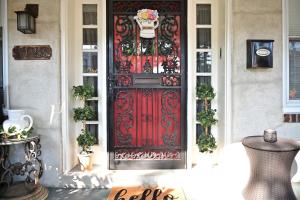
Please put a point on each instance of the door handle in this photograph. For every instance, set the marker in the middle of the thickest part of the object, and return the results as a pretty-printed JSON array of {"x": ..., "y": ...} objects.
[
  {"x": 111, "y": 83},
  {"x": 111, "y": 80}
]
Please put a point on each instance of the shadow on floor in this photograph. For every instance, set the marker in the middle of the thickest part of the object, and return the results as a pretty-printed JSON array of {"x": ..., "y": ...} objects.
[{"x": 77, "y": 194}]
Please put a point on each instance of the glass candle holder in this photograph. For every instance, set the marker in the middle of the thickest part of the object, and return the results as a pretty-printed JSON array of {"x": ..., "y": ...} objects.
[{"x": 270, "y": 135}]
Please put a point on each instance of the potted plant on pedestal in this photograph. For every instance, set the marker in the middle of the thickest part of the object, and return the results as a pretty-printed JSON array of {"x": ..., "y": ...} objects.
[
  {"x": 85, "y": 140},
  {"x": 206, "y": 117}
]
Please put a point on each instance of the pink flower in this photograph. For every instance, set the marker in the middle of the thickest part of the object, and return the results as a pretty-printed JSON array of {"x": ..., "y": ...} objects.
[
  {"x": 151, "y": 16},
  {"x": 147, "y": 14}
]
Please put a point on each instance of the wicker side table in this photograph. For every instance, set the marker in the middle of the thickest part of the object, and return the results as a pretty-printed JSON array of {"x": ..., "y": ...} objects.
[{"x": 270, "y": 168}]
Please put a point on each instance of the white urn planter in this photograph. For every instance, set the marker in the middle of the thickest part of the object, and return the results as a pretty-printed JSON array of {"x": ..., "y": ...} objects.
[
  {"x": 86, "y": 161},
  {"x": 17, "y": 119},
  {"x": 206, "y": 160}
]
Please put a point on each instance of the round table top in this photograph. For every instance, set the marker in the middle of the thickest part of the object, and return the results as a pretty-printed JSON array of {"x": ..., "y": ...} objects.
[
  {"x": 16, "y": 141},
  {"x": 282, "y": 144}
]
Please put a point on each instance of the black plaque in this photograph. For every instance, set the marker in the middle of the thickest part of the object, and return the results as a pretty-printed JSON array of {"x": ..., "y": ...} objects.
[{"x": 260, "y": 53}]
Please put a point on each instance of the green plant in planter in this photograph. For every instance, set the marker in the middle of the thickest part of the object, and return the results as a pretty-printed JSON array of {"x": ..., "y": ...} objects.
[
  {"x": 207, "y": 117},
  {"x": 82, "y": 92},
  {"x": 85, "y": 140},
  {"x": 206, "y": 141},
  {"x": 84, "y": 114},
  {"x": 205, "y": 93}
]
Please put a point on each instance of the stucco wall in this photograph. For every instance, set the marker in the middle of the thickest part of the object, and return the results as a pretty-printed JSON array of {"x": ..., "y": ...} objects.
[
  {"x": 35, "y": 85},
  {"x": 257, "y": 93}
]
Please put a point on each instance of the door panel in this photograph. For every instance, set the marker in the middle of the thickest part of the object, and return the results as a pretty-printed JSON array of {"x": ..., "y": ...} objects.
[{"x": 147, "y": 87}]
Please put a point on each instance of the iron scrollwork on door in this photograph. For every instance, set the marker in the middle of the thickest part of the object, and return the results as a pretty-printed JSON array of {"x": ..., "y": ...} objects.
[
  {"x": 147, "y": 80},
  {"x": 169, "y": 49},
  {"x": 124, "y": 117},
  {"x": 147, "y": 47},
  {"x": 166, "y": 43},
  {"x": 147, "y": 67},
  {"x": 147, "y": 155},
  {"x": 170, "y": 101},
  {"x": 124, "y": 28},
  {"x": 171, "y": 80},
  {"x": 132, "y": 6}
]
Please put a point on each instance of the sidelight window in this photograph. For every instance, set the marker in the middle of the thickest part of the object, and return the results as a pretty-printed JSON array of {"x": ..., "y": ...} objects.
[
  {"x": 203, "y": 51},
  {"x": 90, "y": 55}
]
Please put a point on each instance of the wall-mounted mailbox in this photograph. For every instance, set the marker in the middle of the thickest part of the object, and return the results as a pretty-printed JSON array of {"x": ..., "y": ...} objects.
[{"x": 260, "y": 53}]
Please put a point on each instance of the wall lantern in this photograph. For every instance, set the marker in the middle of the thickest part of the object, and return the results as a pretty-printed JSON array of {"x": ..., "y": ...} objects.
[{"x": 26, "y": 18}]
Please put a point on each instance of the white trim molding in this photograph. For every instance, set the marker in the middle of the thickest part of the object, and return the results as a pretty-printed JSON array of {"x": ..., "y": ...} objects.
[
  {"x": 192, "y": 151},
  {"x": 71, "y": 67},
  {"x": 228, "y": 72},
  {"x": 64, "y": 85},
  {"x": 284, "y": 53},
  {"x": 5, "y": 52},
  {"x": 191, "y": 129},
  {"x": 102, "y": 82}
]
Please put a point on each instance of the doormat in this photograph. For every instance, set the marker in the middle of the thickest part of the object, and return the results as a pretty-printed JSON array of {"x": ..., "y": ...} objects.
[{"x": 146, "y": 193}]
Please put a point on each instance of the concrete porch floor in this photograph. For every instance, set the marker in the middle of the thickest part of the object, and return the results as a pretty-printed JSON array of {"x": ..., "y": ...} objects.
[
  {"x": 102, "y": 194},
  {"x": 208, "y": 182},
  {"x": 205, "y": 182}
]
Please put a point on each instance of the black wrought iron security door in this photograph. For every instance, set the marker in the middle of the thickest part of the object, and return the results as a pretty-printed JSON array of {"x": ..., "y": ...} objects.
[{"x": 147, "y": 84}]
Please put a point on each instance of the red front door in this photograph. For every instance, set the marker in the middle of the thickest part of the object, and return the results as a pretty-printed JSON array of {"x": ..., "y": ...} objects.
[{"x": 147, "y": 87}]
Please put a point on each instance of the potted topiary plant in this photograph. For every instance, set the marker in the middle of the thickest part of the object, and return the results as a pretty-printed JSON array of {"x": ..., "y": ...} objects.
[
  {"x": 85, "y": 140},
  {"x": 206, "y": 117}
]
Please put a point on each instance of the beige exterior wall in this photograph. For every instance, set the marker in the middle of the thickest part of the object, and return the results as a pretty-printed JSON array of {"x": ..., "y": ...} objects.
[
  {"x": 35, "y": 85},
  {"x": 257, "y": 93}
]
